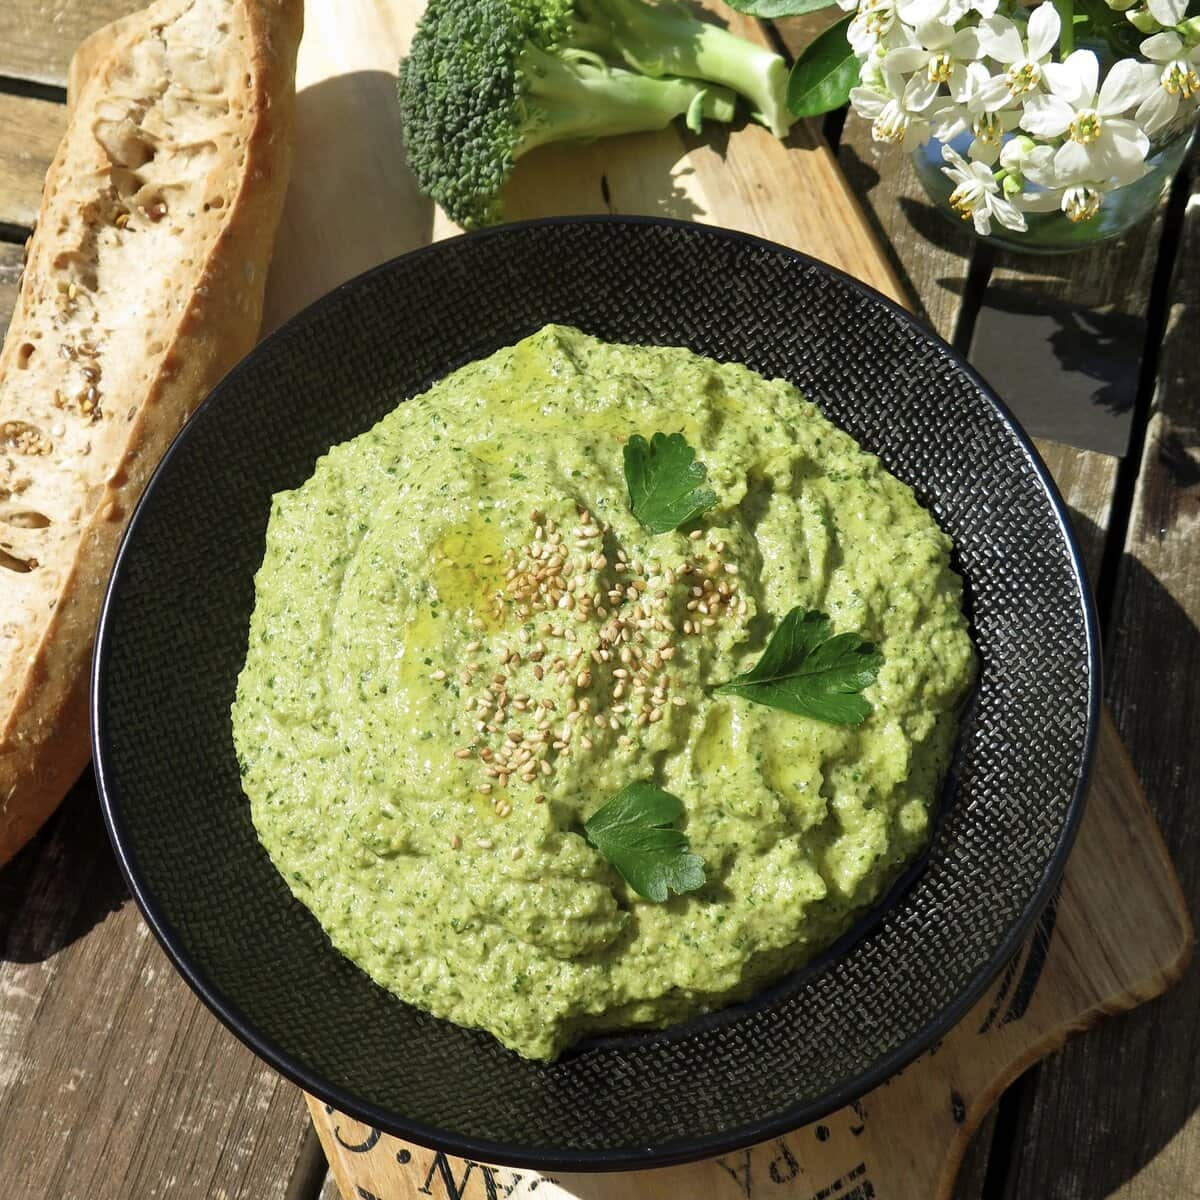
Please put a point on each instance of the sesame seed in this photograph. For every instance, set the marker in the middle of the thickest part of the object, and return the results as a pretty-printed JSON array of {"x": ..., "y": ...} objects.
[
  {"x": 455, "y": 842},
  {"x": 463, "y": 753},
  {"x": 438, "y": 676},
  {"x": 696, "y": 535},
  {"x": 731, "y": 568},
  {"x": 517, "y": 853},
  {"x": 678, "y": 701},
  {"x": 484, "y": 843},
  {"x": 471, "y": 647},
  {"x": 484, "y": 788}
]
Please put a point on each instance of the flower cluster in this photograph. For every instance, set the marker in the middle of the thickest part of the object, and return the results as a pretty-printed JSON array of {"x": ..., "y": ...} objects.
[{"x": 1046, "y": 129}]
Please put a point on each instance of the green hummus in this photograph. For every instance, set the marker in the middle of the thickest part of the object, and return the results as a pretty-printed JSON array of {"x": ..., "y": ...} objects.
[{"x": 463, "y": 643}]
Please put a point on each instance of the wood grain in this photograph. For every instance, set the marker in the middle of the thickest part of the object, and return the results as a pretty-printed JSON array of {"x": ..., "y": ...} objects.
[
  {"x": 115, "y": 1082},
  {"x": 25, "y": 157},
  {"x": 1086, "y": 481},
  {"x": 11, "y": 257},
  {"x": 38, "y": 37},
  {"x": 353, "y": 203},
  {"x": 1127, "y": 1098}
]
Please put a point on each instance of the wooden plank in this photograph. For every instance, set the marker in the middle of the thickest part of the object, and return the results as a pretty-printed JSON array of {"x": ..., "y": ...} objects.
[
  {"x": 33, "y": 129},
  {"x": 11, "y": 257},
  {"x": 1086, "y": 480},
  {"x": 1073, "y": 325},
  {"x": 792, "y": 193},
  {"x": 930, "y": 255},
  {"x": 115, "y": 1082},
  {"x": 38, "y": 37},
  {"x": 1128, "y": 1099}
]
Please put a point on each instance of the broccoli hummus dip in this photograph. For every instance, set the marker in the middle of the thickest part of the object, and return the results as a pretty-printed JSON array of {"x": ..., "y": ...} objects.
[{"x": 468, "y": 638}]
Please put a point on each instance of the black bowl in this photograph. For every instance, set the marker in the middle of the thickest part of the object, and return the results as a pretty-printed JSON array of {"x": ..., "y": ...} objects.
[{"x": 173, "y": 636}]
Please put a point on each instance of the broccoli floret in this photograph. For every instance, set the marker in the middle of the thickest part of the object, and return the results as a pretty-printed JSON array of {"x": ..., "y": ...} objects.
[{"x": 488, "y": 80}]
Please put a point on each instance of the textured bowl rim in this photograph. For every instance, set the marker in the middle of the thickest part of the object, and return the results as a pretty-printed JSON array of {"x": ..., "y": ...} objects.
[{"x": 626, "y": 1158}]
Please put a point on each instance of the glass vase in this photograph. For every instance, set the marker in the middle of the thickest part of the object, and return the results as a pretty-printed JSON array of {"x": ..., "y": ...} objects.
[{"x": 1054, "y": 232}]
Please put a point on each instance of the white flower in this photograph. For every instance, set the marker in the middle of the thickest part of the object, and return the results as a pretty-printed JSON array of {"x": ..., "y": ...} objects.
[
  {"x": 1025, "y": 58},
  {"x": 1177, "y": 80},
  {"x": 891, "y": 120},
  {"x": 1167, "y": 12},
  {"x": 949, "y": 12},
  {"x": 935, "y": 55},
  {"x": 987, "y": 128},
  {"x": 871, "y": 25},
  {"x": 977, "y": 195},
  {"x": 1032, "y": 161},
  {"x": 1100, "y": 146},
  {"x": 1081, "y": 203}
]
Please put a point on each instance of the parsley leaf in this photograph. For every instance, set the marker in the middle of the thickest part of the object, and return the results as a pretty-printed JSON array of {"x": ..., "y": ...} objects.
[
  {"x": 806, "y": 671},
  {"x": 666, "y": 484},
  {"x": 629, "y": 829}
]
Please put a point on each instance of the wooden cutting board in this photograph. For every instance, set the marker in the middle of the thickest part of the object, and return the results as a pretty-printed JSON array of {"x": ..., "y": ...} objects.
[{"x": 1117, "y": 933}]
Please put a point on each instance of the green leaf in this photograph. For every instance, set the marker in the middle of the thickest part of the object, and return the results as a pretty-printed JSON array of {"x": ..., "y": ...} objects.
[
  {"x": 666, "y": 484},
  {"x": 824, "y": 74},
  {"x": 630, "y": 830},
  {"x": 769, "y": 10},
  {"x": 807, "y": 671}
]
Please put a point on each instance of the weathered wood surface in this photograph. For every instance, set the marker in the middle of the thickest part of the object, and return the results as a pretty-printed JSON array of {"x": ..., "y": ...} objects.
[
  {"x": 1126, "y": 1098},
  {"x": 115, "y": 1082},
  {"x": 31, "y": 129},
  {"x": 11, "y": 257},
  {"x": 353, "y": 203},
  {"x": 38, "y": 37}
]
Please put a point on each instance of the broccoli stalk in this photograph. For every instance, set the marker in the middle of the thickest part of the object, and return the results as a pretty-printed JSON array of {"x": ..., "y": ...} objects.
[
  {"x": 577, "y": 96},
  {"x": 665, "y": 39},
  {"x": 488, "y": 80}
]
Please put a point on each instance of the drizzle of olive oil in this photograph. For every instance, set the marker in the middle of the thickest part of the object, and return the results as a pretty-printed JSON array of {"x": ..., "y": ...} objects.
[{"x": 468, "y": 566}]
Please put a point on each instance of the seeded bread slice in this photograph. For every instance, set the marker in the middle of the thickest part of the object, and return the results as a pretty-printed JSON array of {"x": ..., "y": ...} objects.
[{"x": 143, "y": 285}]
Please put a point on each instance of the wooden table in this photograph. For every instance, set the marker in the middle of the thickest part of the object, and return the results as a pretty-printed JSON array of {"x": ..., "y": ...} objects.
[{"x": 116, "y": 1083}]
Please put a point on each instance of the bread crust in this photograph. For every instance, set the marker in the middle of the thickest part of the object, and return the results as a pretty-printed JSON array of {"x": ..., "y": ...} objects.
[{"x": 44, "y": 741}]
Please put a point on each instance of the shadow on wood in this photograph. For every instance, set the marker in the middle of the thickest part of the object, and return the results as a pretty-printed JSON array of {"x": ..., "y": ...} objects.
[
  {"x": 62, "y": 885},
  {"x": 352, "y": 202},
  {"x": 1104, "y": 1110}
]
